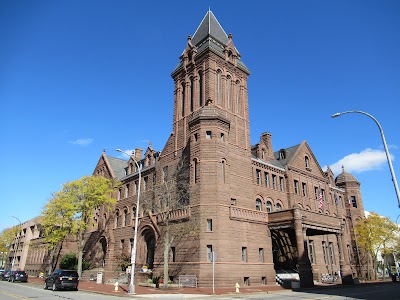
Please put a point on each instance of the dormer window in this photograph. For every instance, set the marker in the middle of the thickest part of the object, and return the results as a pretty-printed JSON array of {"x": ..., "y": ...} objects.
[
  {"x": 282, "y": 154},
  {"x": 230, "y": 55},
  {"x": 307, "y": 163}
]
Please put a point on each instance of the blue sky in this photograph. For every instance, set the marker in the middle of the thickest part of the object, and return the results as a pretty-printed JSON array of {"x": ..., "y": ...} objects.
[{"x": 77, "y": 77}]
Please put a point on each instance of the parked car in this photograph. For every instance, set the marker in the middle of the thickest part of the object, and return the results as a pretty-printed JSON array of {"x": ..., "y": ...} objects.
[
  {"x": 5, "y": 275},
  {"x": 20, "y": 276},
  {"x": 62, "y": 280}
]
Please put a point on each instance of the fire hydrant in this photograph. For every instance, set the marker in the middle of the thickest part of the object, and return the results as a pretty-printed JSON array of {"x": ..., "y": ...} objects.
[
  {"x": 237, "y": 286},
  {"x": 116, "y": 284}
]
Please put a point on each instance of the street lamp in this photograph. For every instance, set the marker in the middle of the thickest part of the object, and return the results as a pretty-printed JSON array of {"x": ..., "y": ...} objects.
[
  {"x": 384, "y": 145},
  {"x": 131, "y": 289},
  {"x": 15, "y": 250}
]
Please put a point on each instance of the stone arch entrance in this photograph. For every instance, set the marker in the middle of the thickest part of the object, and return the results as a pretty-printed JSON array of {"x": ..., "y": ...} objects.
[
  {"x": 103, "y": 242},
  {"x": 284, "y": 250},
  {"x": 296, "y": 232},
  {"x": 149, "y": 238}
]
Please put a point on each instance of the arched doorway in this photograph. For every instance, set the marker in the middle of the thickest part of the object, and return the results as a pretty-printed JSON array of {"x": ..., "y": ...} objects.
[
  {"x": 103, "y": 243},
  {"x": 283, "y": 250},
  {"x": 150, "y": 240}
]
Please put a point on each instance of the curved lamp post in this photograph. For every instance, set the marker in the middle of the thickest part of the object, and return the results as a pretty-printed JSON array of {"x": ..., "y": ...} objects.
[
  {"x": 384, "y": 145},
  {"x": 15, "y": 250},
  {"x": 131, "y": 289}
]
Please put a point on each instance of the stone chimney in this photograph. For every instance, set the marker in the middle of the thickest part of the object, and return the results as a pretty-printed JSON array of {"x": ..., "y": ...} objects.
[
  {"x": 266, "y": 138},
  {"x": 138, "y": 154}
]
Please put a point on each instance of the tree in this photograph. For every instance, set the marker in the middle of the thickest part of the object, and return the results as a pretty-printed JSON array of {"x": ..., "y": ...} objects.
[
  {"x": 70, "y": 262},
  {"x": 375, "y": 234},
  {"x": 7, "y": 236},
  {"x": 171, "y": 193},
  {"x": 68, "y": 212}
]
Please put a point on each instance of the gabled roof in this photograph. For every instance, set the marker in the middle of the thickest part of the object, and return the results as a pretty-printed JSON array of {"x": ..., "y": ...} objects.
[{"x": 117, "y": 165}]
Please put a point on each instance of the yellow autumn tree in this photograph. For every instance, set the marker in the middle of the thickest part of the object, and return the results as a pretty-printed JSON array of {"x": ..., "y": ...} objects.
[
  {"x": 7, "y": 236},
  {"x": 69, "y": 210},
  {"x": 375, "y": 234}
]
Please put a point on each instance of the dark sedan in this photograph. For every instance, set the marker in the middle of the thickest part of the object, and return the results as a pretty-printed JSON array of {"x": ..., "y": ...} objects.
[
  {"x": 62, "y": 280},
  {"x": 20, "y": 276},
  {"x": 5, "y": 275}
]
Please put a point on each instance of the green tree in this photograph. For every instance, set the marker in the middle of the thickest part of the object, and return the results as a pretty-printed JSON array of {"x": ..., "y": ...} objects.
[
  {"x": 69, "y": 211},
  {"x": 7, "y": 236},
  {"x": 70, "y": 261},
  {"x": 375, "y": 234}
]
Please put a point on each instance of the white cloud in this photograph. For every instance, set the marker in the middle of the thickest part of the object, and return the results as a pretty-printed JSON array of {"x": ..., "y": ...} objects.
[
  {"x": 81, "y": 142},
  {"x": 366, "y": 160}
]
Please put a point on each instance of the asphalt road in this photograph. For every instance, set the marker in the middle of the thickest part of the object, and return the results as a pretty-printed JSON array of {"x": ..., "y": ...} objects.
[
  {"x": 371, "y": 291},
  {"x": 26, "y": 291}
]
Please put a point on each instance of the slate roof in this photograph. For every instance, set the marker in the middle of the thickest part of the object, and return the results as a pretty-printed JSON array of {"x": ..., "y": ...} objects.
[
  {"x": 118, "y": 166},
  {"x": 211, "y": 36},
  {"x": 289, "y": 152},
  {"x": 281, "y": 163}
]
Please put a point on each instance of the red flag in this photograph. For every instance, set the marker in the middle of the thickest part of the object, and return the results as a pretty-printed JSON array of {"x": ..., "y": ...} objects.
[{"x": 321, "y": 201}]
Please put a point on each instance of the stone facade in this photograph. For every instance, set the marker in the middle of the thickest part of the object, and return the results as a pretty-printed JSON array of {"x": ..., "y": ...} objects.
[
  {"x": 256, "y": 209},
  {"x": 259, "y": 211}
]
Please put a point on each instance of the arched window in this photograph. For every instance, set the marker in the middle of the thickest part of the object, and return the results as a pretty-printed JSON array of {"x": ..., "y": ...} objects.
[
  {"x": 127, "y": 190},
  {"x": 307, "y": 162},
  {"x": 258, "y": 204},
  {"x": 133, "y": 214},
  {"x": 278, "y": 206},
  {"x": 125, "y": 220},
  {"x": 183, "y": 99},
  {"x": 269, "y": 206},
  {"x": 237, "y": 97},
  {"x": 223, "y": 169},
  {"x": 130, "y": 168},
  {"x": 219, "y": 87},
  {"x": 200, "y": 88},
  {"x": 195, "y": 167},
  {"x": 191, "y": 94},
  {"x": 116, "y": 218},
  {"x": 228, "y": 92}
]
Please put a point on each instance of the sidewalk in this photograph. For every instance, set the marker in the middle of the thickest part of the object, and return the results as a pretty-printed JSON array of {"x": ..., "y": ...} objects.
[{"x": 109, "y": 289}]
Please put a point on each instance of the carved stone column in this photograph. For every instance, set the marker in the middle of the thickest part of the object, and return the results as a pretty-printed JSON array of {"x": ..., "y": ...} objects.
[
  {"x": 305, "y": 271},
  {"x": 344, "y": 262}
]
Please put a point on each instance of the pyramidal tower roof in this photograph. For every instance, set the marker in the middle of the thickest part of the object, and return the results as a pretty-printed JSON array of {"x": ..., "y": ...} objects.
[
  {"x": 210, "y": 35},
  {"x": 210, "y": 26}
]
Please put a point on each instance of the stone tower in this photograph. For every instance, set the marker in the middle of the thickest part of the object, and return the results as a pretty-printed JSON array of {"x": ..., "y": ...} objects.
[{"x": 211, "y": 129}]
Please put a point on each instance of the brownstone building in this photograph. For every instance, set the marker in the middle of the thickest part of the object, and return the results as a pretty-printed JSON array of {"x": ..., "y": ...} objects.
[{"x": 262, "y": 212}]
